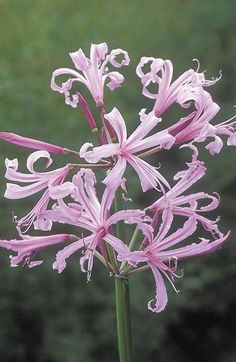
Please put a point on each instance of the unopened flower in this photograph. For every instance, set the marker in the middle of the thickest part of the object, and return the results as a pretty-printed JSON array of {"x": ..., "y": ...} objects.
[{"x": 30, "y": 143}]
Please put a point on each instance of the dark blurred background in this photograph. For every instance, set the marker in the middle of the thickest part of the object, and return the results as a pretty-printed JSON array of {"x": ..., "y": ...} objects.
[{"x": 46, "y": 317}]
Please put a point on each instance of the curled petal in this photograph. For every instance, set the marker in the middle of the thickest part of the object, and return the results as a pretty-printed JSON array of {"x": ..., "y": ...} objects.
[
  {"x": 35, "y": 156},
  {"x": 61, "y": 191},
  {"x": 113, "y": 58},
  {"x": 80, "y": 61},
  {"x": 161, "y": 293},
  {"x": 97, "y": 153},
  {"x": 65, "y": 253},
  {"x": 215, "y": 146},
  {"x": 116, "y": 79},
  {"x": 66, "y": 86},
  {"x": 232, "y": 140},
  {"x": 98, "y": 52}
]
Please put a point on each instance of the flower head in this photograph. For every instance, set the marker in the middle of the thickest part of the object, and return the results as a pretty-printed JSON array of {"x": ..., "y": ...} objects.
[
  {"x": 162, "y": 258},
  {"x": 127, "y": 147},
  {"x": 88, "y": 213},
  {"x": 92, "y": 72},
  {"x": 35, "y": 182}
]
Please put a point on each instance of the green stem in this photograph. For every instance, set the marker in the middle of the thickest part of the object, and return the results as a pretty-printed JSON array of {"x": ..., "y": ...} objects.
[
  {"x": 123, "y": 319},
  {"x": 123, "y": 316},
  {"x": 133, "y": 240}
]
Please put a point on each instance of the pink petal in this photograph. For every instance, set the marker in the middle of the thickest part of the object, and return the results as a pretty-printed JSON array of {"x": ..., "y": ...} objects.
[
  {"x": 98, "y": 52},
  {"x": 148, "y": 175},
  {"x": 114, "y": 176},
  {"x": 115, "y": 80},
  {"x": 167, "y": 219},
  {"x": 117, "y": 244},
  {"x": 118, "y": 124},
  {"x": 161, "y": 294},
  {"x": 65, "y": 253},
  {"x": 203, "y": 248},
  {"x": 215, "y": 146},
  {"x": 99, "y": 152},
  {"x": 182, "y": 233},
  {"x": 112, "y": 58},
  {"x": 29, "y": 245},
  {"x": 125, "y": 215},
  {"x": 80, "y": 61}
]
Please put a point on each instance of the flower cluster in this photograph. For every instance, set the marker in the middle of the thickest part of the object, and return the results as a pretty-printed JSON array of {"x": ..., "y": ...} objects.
[{"x": 68, "y": 194}]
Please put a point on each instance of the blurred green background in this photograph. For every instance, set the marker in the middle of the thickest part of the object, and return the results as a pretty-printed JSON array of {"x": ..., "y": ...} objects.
[{"x": 46, "y": 317}]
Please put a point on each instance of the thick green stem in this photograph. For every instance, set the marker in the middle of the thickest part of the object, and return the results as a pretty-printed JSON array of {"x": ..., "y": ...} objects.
[{"x": 123, "y": 319}]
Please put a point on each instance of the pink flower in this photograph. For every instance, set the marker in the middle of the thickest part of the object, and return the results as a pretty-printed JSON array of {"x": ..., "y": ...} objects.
[
  {"x": 29, "y": 246},
  {"x": 161, "y": 72},
  {"x": 188, "y": 205},
  {"x": 30, "y": 143},
  {"x": 163, "y": 261},
  {"x": 127, "y": 147},
  {"x": 194, "y": 127},
  {"x": 226, "y": 128},
  {"x": 92, "y": 72},
  {"x": 88, "y": 213},
  {"x": 36, "y": 181}
]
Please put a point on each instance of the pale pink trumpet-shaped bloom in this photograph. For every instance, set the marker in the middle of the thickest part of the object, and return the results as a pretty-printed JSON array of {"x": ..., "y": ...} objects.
[
  {"x": 90, "y": 214},
  {"x": 92, "y": 72},
  {"x": 29, "y": 246},
  {"x": 30, "y": 143},
  {"x": 163, "y": 261},
  {"x": 127, "y": 147},
  {"x": 36, "y": 181}
]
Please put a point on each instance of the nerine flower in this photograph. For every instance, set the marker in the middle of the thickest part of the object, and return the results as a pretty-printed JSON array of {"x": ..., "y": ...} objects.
[
  {"x": 29, "y": 246},
  {"x": 36, "y": 181},
  {"x": 90, "y": 214},
  {"x": 127, "y": 148},
  {"x": 188, "y": 205},
  {"x": 163, "y": 261},
  {"x": 161, "y": 73},
  {"x": 92, "y": 72}
]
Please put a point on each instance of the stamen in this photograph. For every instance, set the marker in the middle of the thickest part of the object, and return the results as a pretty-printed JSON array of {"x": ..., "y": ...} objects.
[{"x": 198, "y": 64}]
